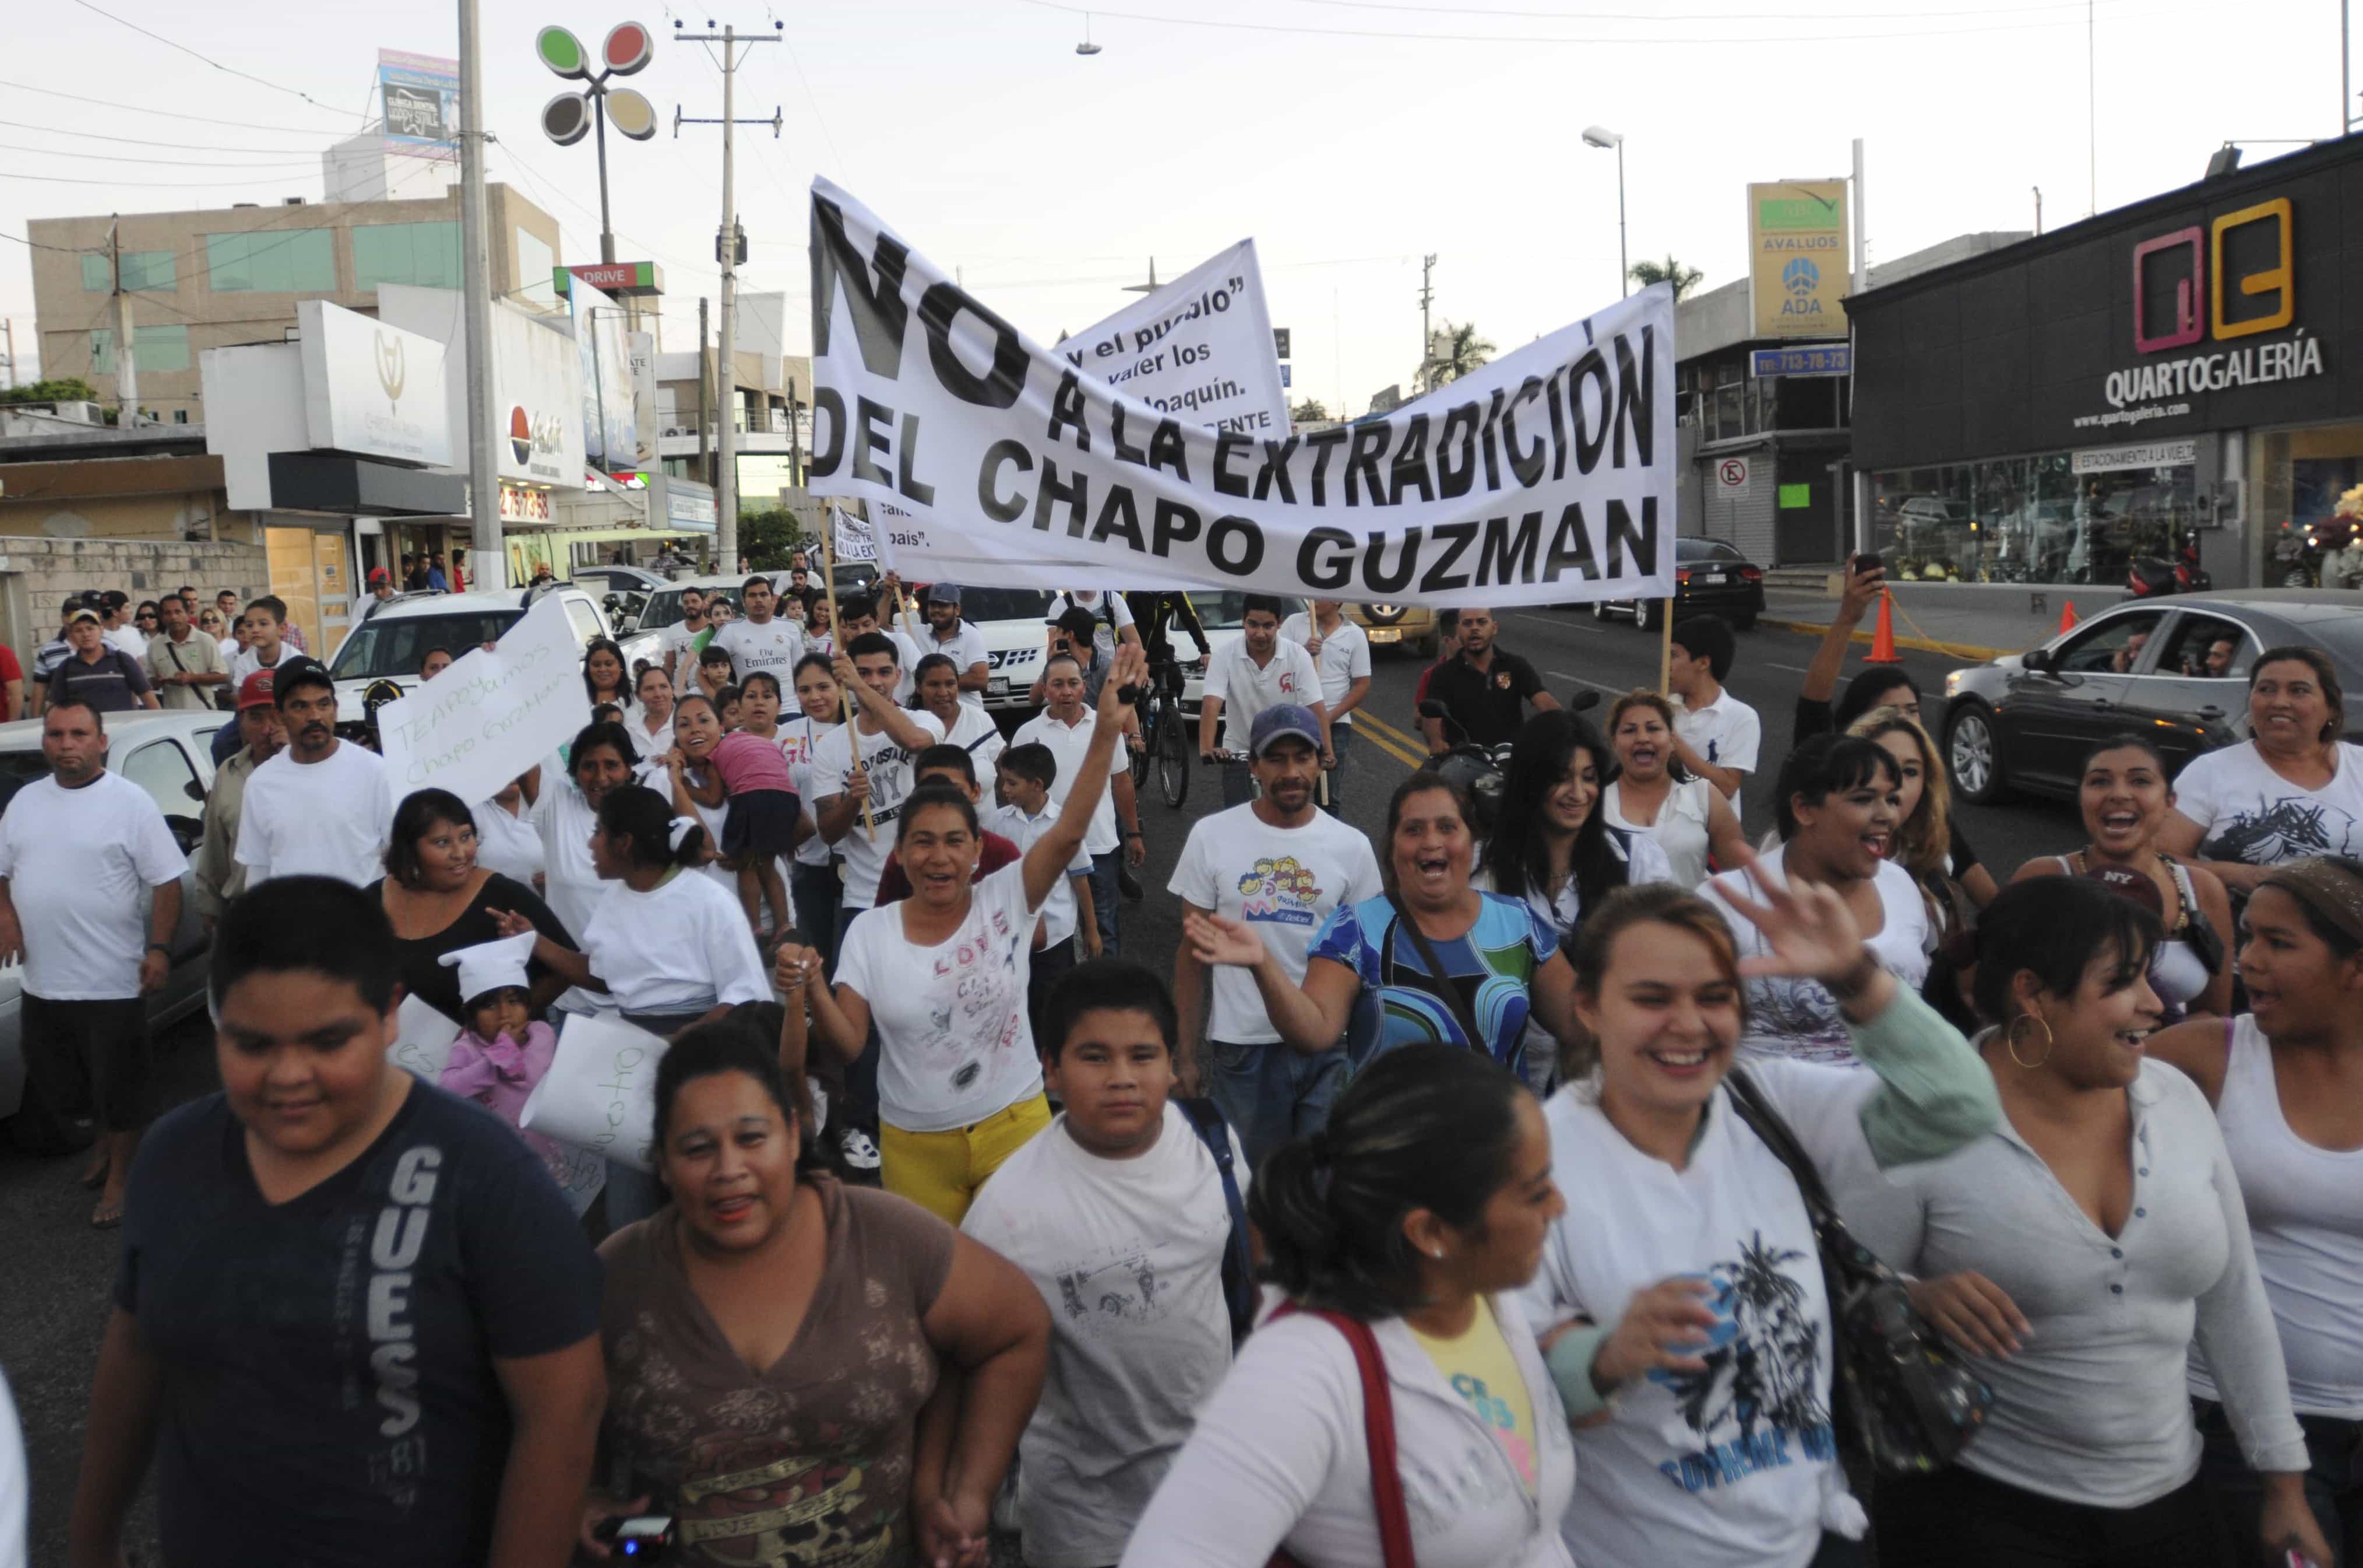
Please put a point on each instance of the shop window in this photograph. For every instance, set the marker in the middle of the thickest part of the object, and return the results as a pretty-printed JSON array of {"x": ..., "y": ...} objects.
[
  {"x": 2206, "y": 648},
  {"x": 2303, "y": 478},
  {"x": 272, "y": 261},
  {"x": 144, "y": 271},
  {"x": 2114, "y": 646},
  {"x": 157, "y": 349},
  {"x": 2029, "y": 520},
  {"x": 425, "y": 254}
]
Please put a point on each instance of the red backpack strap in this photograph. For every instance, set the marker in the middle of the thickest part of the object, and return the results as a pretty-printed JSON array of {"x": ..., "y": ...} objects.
[{"x": 1379, "y": 1432}]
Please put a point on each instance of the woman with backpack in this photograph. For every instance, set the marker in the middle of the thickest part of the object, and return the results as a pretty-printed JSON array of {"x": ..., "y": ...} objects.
[
  {"x": 1395, "y": 1412},
  {"x": 1553, "y": 847}
]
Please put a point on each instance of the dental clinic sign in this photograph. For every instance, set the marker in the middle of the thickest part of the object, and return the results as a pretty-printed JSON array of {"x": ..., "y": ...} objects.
[{"x": 2202, "y": 289}]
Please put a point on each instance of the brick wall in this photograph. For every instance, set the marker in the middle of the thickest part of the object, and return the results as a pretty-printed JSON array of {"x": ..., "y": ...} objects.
[{"x": 36, "y": 575}]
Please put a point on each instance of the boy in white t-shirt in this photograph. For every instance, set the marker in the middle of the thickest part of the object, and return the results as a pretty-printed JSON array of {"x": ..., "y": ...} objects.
[
  {"x": 1070, "y": 932},
  {"x": 1126, "y": 1213},
  {"x": 1715, "y": 735}
]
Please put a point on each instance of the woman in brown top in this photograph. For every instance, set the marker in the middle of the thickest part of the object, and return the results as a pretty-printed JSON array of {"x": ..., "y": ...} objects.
[{"x": 776, "y": 1342}]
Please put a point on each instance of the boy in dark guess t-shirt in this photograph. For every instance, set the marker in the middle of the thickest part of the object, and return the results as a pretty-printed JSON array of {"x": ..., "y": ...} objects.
[{"x": 355, "y": 1322}]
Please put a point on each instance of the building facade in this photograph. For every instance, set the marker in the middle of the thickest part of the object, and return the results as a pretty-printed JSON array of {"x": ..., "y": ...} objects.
[
  {"x": 2181, "y": 373},
  {"x": 223, "y": 276}
]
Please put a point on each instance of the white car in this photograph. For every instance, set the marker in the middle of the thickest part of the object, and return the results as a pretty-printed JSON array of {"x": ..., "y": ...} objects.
[
  {"x": 170, "y": 755},
  {"x": 395, "y": 637},
  {"x": 1016, "y": 629}
]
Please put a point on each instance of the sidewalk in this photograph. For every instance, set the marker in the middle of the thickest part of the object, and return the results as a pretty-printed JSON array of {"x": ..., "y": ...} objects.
[{"x": 1964, "y": 620}]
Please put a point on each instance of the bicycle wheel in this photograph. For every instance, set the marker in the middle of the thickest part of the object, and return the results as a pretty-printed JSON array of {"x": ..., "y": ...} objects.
[
  {"x": 1173, "y": 758},
  {"x": 1151, "y": 734}
]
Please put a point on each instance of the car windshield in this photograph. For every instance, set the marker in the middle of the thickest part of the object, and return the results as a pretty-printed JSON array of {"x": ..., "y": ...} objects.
[
  {"x": 979, "y": 606},
  {"x": 393, "y": 648},
  {"x": 664, "y": 607},
  {"x": 19, "y": 769},
  {"x": 1224, "y": 612}
]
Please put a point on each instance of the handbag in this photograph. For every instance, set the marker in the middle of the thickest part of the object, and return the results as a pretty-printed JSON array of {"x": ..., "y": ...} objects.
[
  {"x": 1911, "y": 1398},
  {"x": 1378, "y": 1435}
]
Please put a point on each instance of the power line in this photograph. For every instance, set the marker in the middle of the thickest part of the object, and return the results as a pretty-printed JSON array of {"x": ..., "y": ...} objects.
[
  {"x": 140, "y": 184},
  {"x": 217, "y": 65},
  {"x": 1102, "y": 11},
  {"x": 156, "y": 163},
  {"x": 391, "y": 150},
  {"x": 168, "y": 113}
]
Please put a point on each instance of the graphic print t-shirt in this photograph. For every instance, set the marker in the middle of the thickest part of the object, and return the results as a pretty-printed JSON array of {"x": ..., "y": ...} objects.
[
  {"x": 1480, "y": 1369},
  {"x": 891, "y": 776},
  {"x": 329, "y": 1396},
  {"x": 1283, "y": 882},
  {"x": 1491, "y": 966},
  {"x": 2250, "y": 814}
]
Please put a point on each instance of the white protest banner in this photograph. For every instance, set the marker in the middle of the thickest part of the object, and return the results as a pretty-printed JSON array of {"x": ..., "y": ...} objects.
[
  {"x": 852, "y": 537},
  {"x": 1199, "y": 349},
  {"x": 600, "y": 1094},
  {"x": 423, "y": 1039},
  {"x": 490, "y": 716},
  {"x": 1545, "y": 477}
]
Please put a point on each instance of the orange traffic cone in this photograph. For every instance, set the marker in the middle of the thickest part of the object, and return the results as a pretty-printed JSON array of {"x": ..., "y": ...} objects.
[
  {"x": 2067, "y": 617},
  {"x": 1883, "y": 635}
]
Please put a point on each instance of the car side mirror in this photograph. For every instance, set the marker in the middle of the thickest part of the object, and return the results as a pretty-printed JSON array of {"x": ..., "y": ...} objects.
[
  {"x": 194, "y": 790},
  {"x": 2036, "y": 661}
]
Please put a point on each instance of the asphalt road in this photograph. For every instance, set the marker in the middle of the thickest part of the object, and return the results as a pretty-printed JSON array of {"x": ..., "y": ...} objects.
[{"x": 54, "y": 1282}]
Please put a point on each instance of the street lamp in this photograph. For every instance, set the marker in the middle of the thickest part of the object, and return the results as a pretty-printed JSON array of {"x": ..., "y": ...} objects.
[{"x": 1598, "y": 136}]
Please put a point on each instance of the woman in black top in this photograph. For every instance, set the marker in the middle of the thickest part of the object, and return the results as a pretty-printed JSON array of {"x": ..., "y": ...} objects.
[{"x": 439, "y": 900}]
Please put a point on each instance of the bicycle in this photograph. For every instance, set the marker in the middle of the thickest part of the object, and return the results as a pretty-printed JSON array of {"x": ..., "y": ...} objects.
[{"x": 1165, "y": 742}]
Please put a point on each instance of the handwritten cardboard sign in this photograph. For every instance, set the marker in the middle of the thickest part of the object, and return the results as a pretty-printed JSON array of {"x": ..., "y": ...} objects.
[
  {"x": 494, "y": 713},
  {"x": 600, "y": 1094},
  {"x": 425, "y": 1041}
]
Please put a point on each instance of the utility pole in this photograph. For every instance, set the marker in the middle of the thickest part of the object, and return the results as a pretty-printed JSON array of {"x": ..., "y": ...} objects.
[
  {"x": 2093, "y": 109},
  {"x": 127, "y": 362},
  {"x": 487, "y": 558},
  {"x": 729, "y": 251},
  {"x": 1426, "y": 334},
  {"x": 1860, "y": 488},
  {"x": 8, "y": 327},
  {"x": 704, "y": 381},
  {"x": 2038, "y": 210}
]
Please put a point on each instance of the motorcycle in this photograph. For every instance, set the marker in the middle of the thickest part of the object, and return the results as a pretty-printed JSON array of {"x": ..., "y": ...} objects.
[
  {"x": 1479, "y": 769},
  {"x": 2149, "y": 577}
]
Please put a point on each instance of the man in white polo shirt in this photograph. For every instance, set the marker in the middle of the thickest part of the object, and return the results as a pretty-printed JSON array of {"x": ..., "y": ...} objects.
[
  {"x": 1716, "y": 736},
  {"x": 77, "y": 850},
  {"x": 1342, "y": 650},
  {"x": 957, "y": 640},
  {"x": 1260, "y": 670}
]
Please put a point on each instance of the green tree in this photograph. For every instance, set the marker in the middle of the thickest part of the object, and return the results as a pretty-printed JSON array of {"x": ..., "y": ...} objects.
[
  {"x": 1311, "y": 411},
  {"x": 1459, "y": 351},
  {"x": 768, "y": 539},
  {"x": 1669, "y": 271},
  {"x": 64, "y": 389}
]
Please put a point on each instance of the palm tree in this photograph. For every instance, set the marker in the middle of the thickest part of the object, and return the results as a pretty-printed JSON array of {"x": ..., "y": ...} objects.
[
  {"x": 1309, "y": 412},
  {"x": 1458, "y": 351},
  {"x": 1669, "y": 271}
]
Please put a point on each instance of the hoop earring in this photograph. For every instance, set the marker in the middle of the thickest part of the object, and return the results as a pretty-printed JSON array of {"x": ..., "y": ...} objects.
[{"x": 2010, "y": 1040}]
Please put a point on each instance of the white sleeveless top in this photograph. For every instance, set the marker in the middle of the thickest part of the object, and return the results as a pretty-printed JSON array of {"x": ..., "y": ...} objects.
[
  {"x": 2305, "y": 1209},
  {"x": 1680, "y": 829}
]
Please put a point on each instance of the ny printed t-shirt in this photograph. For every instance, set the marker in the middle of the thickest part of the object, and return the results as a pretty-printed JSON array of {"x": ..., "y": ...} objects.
[
  {"x": 809, "y": 1460},
  {"x": 78, "y": 862},
  {"x": 1284, "y": 883},
  {"x": 891, "y": 779},
  {"x": 2250, "y": 814},
  {"x": 329, "y": 1391},
  {"x": 954, "y": 1046},
  {"x": 1491, "y": 966},
  {"x": 1128, "y": 1257},
  {"x": 1477, "y": 1362}
]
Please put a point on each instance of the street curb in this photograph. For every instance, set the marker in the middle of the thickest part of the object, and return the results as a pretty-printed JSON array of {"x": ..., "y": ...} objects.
[{"x": 1918, "y": 644}]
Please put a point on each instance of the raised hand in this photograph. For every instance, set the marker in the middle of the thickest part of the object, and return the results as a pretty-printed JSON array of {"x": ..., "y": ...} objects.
[
  {"x": 1217, "y": 939},
  {"x": 1129, "y": 668},
  {"x": 1812, "y": 933},
  {"x": 509, "y": 923},
  {"x": 792, "y": 968}
]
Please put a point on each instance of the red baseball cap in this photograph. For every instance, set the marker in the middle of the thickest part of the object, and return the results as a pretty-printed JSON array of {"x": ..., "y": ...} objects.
[
  {"x": 255, "y": 690},
  {"x": 377, "y": 574}
]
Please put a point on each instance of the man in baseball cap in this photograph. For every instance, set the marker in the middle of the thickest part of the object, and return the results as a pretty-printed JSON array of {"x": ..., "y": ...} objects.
[
  {"x": 215, "y": 875},
  {"x": 957, "y": 640},
  {"x": 1281, "y": 866}
]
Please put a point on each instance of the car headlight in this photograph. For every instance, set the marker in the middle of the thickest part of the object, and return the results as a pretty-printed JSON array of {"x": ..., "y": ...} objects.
[{"x": 1953, "y": 682}]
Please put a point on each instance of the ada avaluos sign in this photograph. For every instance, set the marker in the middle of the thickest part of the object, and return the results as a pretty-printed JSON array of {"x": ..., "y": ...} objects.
[
  {"x": 371, "y": 389},
  {"x": 1547, "y": 476}
]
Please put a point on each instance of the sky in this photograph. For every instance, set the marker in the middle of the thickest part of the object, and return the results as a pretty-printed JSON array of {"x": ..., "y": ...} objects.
[{"x": 1349, "y": 138}]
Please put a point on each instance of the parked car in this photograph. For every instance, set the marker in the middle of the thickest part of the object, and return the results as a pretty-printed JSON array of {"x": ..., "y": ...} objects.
[
  {"x": 170, "y": 755},
  {"x": 1409, "y": 626},
  {"x": 2026, "y": 722},
  {"x": 396, "y": 636},
  {"x": 663, "y": 607},
  {"x": 612, "y": 579},
  {"x": 1710, "y": 578},
  {"x": 1015, "y": 628}
]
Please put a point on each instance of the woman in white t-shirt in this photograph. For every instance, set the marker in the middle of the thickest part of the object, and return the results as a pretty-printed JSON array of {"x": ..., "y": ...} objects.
[
  {"x": 814, "y": 886},
  {"x": 942, "y": 975},
  {"x": 1689, "y": 818},
  {"x": 2287, "y": 1085},
  {"x": 1552, "y": 847},
  {"x": 2293, "y": 790},
  {"x": 566, "y": 809},
  {"x": 1838, "y": 804},
  {"x": 650, "y": 722},
  {"x": 936, "y": 690},
  {"x": 1680, "y": 1300}
]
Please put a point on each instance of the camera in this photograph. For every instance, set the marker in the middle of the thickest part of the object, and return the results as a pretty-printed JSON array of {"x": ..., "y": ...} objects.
[{"x": 643, "y": 1538}]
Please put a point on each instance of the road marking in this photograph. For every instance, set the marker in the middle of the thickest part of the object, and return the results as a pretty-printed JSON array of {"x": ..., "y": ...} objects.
[
  {"x": 1596, "y": 685},
  {"x": 1793, "y": 669},
  {"x": 1391, "y": 740}
]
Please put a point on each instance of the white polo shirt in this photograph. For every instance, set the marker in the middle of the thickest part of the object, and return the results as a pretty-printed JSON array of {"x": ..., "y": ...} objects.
[
  {"x": 965, "y": 648},
  {"x": 1068, "y": 743},
  {"x": 1247, "y": 688}
]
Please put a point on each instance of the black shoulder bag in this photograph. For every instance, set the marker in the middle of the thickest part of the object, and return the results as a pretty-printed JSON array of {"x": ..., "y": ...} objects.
[
  {"x": 1205, "y": 1117},
  {"x": 1909, "y": 1395}
]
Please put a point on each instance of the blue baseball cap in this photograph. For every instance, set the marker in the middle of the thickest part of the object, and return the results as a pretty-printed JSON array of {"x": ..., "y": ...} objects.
[
  {"x": 943, "y": 594},
  {"x": 1280, "y": 721}
]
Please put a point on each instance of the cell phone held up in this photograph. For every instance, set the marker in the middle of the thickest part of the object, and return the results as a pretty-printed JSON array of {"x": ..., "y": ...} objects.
[
  {"x": 1868, "y": 561},
  {"x": 642, "y": 1537}
]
